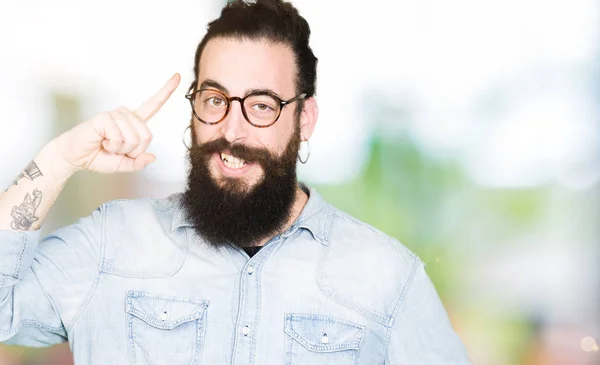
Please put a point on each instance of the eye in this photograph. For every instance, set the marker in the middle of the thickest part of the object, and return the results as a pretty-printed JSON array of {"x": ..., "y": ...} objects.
[
  {"x": 216, "y": 101},
  {"x": 262, "y": 107}
]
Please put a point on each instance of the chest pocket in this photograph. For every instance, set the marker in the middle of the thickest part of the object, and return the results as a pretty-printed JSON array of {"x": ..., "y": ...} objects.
[
  {"x": 164, "y": 329},
  {"x": 313, "y": 339}
]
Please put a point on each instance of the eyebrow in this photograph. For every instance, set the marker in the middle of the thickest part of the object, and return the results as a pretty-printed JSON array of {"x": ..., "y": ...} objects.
[
  {"x": 253, "y": 91},
  {"x": 209, "y": 83}
]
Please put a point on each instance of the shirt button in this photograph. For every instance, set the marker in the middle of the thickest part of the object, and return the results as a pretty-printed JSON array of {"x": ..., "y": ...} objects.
[
  {"x": 250, "y": 269},
  {"x": 246, "y": 330},
  {"x": 325, "y": 339},
  {"x": 163, "y": 316}
]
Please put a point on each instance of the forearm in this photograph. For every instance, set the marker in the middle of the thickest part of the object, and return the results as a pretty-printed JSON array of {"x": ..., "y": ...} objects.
[{"x": 26, "y": 202}]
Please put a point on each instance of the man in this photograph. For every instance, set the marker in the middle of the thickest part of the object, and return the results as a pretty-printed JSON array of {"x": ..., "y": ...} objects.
[{"x": 247, "y": 266}]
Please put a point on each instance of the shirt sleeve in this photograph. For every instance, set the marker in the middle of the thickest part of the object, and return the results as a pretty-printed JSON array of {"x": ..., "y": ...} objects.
[
  {"x": 44, "y": 284},
  {"x": 422, "y": 332}
]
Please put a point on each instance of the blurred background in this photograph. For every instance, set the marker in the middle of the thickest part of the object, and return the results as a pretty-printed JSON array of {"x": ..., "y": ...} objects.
[{"x": 467, "y": 129}]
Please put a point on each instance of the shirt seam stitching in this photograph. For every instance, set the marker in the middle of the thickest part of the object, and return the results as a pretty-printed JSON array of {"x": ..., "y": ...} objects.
[
  {"x": 94, "y": 286},
  {"x": 381, "y": 318},
  {"x": 396, "y": 310},
  {"x": 23, "y": 249},
  {"x": 29, "y": 322}
]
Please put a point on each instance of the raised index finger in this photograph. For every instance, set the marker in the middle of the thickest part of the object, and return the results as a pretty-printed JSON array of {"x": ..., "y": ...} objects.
[{"x": 151, "y": 106}]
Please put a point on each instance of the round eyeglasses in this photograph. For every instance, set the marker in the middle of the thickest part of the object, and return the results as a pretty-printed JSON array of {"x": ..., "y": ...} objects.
[{"x": 261, "y": 109}]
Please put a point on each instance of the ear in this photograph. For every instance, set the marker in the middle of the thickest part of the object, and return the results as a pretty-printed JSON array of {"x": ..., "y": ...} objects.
[{"x": 308, "y": 118}]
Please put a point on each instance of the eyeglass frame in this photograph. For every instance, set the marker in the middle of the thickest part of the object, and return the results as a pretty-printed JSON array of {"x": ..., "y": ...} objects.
[{"x": 230, "y": 100}]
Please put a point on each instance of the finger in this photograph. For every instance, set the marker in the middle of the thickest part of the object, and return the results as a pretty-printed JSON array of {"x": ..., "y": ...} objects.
[
  {"x": 142, "y": 130},
  {"x": 151, "y": 106},
  {"x": 130, "y": 137},
  {"x": 129, "y": 164},
  {"x": 111, "y": 135}
]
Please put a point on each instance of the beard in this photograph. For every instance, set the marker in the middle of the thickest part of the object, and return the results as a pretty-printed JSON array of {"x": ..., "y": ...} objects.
[{"x": 231, "y": 211}]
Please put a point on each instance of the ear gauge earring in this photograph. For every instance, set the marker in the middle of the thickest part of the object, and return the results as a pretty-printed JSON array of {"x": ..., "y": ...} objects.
[
  {"x": 305, "y": 159},
  {"x": 183, "y": 138}
]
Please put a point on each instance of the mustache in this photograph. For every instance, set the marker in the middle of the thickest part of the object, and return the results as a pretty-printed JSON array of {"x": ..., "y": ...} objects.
[{"x": 247, "y": 153}]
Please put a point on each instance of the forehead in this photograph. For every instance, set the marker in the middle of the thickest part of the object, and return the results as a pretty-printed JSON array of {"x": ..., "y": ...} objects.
[{"x": 239, "y": 65}]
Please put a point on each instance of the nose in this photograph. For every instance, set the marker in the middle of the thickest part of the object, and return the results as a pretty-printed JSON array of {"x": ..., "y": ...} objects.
[{"x": 235, "y": 127}]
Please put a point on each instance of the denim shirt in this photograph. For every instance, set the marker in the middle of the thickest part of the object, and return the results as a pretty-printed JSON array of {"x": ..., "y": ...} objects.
[{"x": 134, "y": 284}]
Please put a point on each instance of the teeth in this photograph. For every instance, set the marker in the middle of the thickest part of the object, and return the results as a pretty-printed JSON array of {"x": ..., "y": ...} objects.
[{"x": 232, "y": 162}]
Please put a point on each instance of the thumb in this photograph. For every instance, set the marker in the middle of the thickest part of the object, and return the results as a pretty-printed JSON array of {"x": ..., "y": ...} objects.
[{"x": 136, "y": 164}]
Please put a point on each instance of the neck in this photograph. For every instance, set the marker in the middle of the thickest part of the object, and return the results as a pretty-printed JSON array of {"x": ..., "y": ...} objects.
[{"x": 300, "y": 201}]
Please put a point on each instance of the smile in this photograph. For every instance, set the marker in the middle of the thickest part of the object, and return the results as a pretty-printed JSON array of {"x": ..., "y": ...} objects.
[
  {"x": 232, "y": 166},
  {"x": 232, "y": 162}
]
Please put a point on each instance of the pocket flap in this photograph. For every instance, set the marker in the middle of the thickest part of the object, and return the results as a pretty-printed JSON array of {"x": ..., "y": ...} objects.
[
  {"x": 164, "y": 312},
  {"x": 323, "y": 334}
]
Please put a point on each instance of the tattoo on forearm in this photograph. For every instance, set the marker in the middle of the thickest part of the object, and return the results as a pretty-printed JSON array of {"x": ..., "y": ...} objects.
[
  {"x": 16, "y": 181},
  {"x": 32, "y": 171},
  {"x": 24, "y": 214}
]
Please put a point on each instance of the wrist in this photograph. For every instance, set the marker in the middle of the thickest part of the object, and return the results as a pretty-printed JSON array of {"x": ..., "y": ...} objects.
[{"x": 51, "y": 161}]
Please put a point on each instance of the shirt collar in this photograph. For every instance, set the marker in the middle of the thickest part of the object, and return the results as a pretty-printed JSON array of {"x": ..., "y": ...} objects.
[
  {"x": 180, "y": 218},
  {"x": 316, "y": 217}
]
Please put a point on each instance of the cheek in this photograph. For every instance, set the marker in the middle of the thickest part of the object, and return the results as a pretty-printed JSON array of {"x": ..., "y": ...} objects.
[
  {"x": 278, "y": 138},
  {"x": 274, "y": 143},
  {"x": 205, "y": 133}
]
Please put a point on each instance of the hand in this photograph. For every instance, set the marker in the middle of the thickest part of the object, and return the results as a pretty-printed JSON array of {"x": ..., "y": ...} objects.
[{"x": 114, "y": 141}]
